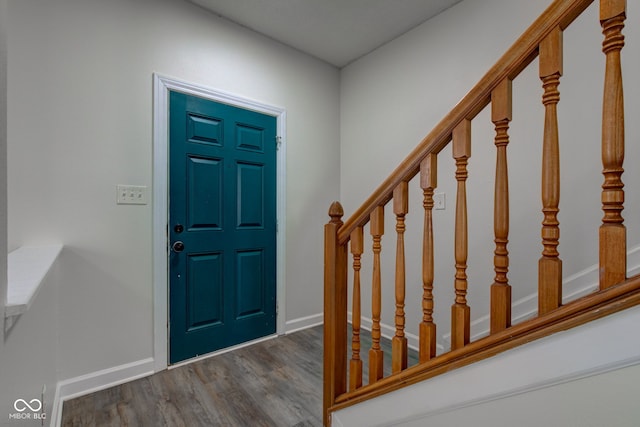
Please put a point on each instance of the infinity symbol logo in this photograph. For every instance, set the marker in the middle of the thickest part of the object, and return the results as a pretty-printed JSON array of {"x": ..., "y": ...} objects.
[{"x": 21, "y": 403}]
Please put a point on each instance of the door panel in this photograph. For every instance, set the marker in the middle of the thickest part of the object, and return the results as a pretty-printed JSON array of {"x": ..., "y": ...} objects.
[
  {"x": 205, "y": 196},
  {"x": 204, "y": 290},
  {"x": 249, "y": 138},
  {"x": 250, "y": 291},
  {"x": 222, "y": 207},
  {"x": 204, "y": 130},
  {"x": 250, "y": 196}
]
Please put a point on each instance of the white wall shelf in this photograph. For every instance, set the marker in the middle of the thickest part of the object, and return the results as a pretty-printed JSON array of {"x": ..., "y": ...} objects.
[{"x": 27, "y": 268}]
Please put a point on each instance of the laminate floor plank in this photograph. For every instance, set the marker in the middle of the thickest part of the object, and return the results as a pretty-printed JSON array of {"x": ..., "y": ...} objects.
[
  {"x": 275, "y": 383},
  {"x": 79, "y": 417}
]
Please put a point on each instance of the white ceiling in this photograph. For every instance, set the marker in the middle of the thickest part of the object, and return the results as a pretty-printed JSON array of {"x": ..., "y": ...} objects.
[{"x": 336, "y": 31}]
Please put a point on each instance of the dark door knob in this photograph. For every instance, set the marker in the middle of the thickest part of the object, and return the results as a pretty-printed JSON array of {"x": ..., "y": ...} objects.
[{"x": 178, "y": 246}]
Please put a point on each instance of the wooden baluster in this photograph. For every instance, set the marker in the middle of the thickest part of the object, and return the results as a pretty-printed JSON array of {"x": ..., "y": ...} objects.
[
  {"x": 460, "y": 311},
  {"x": 550, "y": 265},
  {"x": 399, "y": 341},
  {"x": 501, "y": 290},
  {"x": 335, "y": 311},
  {"x": 376, "y": 355},
  {"x": 355, "y": 367},
  {"x": 428, "y": 182},
  {"x": 613, "y": 235}
]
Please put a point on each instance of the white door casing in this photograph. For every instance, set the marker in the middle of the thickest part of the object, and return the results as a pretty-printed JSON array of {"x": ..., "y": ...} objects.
[{"x": 161, "y": 87}]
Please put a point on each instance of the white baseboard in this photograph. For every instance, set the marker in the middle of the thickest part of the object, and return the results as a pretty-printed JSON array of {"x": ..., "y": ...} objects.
[
  {"x": 106, "y": 378},
  {"x": 575, "y": 286},
  {"x": 290, "y": 326},
  {"x": 303, "y": 323},
  {"x": 388, "y": 331},
  {"x": 96, "y": 381}
]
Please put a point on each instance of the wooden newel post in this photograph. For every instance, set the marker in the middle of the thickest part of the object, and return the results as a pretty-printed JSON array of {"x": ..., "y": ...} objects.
[
  {"x": 335, "y": 311},
  {"x": 613, "y": 234}
]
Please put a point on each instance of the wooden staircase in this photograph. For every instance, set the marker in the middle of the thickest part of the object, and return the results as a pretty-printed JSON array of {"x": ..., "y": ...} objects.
[{"x": 343, "y": 371}]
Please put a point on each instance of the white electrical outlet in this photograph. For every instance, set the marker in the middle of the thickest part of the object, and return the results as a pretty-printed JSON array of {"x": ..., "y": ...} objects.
[
  {"x": 439, "y": 201},
  {"x": 131, "y": 194}
]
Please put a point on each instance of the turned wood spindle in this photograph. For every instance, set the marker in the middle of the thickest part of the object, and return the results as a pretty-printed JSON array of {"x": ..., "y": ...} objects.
[
  {"x": 428, "y": 182},
  {"x": 613, "y": 234},
  {"x": 501, "y": 290},
  {"x": 460, "y": 311},
  {"x": 399, "y": 341},
  {"x": 355, "y": 366},
  {"x": 550, "y": 264},
  {"x": 376, "y": 355}
]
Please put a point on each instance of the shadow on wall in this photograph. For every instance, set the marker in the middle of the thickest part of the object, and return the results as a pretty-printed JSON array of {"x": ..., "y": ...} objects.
[{"x": 105, "y": 311}]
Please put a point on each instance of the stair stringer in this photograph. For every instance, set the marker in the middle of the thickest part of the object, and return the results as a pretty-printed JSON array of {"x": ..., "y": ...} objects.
[{"x": 597, "y": 347}]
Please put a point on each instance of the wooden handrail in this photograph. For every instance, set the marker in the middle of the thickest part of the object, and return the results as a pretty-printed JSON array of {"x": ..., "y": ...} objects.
[
  {"x": 560, "y": 14},
  {"x": 616, "y": 291}
]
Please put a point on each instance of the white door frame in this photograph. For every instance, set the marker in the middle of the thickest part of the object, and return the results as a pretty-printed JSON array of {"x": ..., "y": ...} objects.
[{"x": 161, "y": 87}]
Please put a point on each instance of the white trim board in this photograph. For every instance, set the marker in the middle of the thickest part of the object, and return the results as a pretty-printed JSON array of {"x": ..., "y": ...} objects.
[
  {"x": 388, "y": 331},
  {"x": 161, "y": 87},
  {"x": 291, "y": 326},
  {"x": 106, "y": 378},
  {"x": 306, "y": 322},
  {"x": 96, "y": 381},
  {"x": 27, "y": 268},
  {"x": 573, "y": 287},
  {"x": 590, "y": 349}
]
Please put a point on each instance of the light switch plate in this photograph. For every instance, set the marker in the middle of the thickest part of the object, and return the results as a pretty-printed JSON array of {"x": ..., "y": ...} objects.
[
  {"x": 439, "y": 201},
  {"x": 131, "y": 194}
]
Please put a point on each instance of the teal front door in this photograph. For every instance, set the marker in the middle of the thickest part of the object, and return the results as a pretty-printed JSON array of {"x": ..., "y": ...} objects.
[{"x": 222, "y": 226}]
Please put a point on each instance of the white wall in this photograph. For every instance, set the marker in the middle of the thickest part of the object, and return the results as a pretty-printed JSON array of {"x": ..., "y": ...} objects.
[
  {"x": 29, "y": 355},
  {"x": 3, "y": 162},
  {"x": 393, "y": 97},
  {"x": 80, "y": 122},
  {"x": 80, "y": 107},
  {"x": 3, "y": 154},
  {"x": 585, "y": 402},
  {"x": 28, "y": 349}
]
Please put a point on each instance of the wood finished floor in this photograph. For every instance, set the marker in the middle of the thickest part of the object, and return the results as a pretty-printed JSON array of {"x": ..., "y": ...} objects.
[{"x": 273, "y": 383}]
